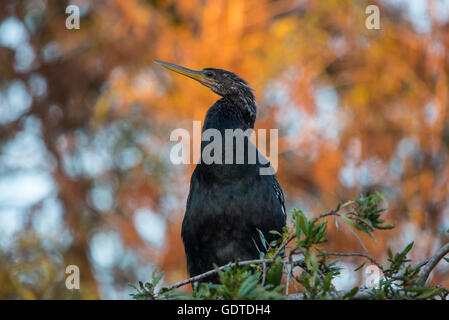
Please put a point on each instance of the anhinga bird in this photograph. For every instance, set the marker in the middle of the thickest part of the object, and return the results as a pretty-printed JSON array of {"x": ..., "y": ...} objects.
[{"x": 228, "y": 203}]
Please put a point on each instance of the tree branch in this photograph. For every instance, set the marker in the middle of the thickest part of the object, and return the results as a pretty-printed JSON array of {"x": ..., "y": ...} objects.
[
  {"x": 363, "y": 293},
  {"x": 329, "y": 213},
  {"x": 214, "y": 271},
  {"x": 355, "y": 255},
  {"x": 431, "y": 264}
]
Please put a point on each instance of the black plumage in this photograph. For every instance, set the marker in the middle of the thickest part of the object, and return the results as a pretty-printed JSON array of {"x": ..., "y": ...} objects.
[{"x": 228, "y": 203}]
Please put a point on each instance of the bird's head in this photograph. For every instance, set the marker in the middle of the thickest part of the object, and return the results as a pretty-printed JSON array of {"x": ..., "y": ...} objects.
[{"x": 222, "y": 82}]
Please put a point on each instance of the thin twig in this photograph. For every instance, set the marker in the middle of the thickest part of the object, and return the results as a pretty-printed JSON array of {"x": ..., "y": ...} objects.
[
  {"x": 282, "y": 247},
  {"x": 329, "y": 213},
  {"x": 401, "y": 274},
  {"x": 288, "y": 278},
  {"x": 214, "y": 271},
  {"x": 354, "y": 255},
  {"x": 336, "y": 214},
  {"x": 264, "y": 273}
]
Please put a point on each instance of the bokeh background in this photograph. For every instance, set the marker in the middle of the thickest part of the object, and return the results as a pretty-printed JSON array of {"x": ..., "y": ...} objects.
[{"x": 85, "y": 120}]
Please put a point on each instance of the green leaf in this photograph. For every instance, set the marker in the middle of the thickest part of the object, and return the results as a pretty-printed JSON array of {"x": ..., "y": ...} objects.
[
  {"x": 275, "y": 232},
  {"x": 274, "y": 273},
  {"x": 407, "y": 249},
  {"x": 351, "y": 293},
  {"x": 247, "y": 286},
  {"x": 348, "y": 221},
  {"x": 390, "y": 254},
  {"x": 311, "y": 261},
  {"x": 367, "y": 222},
  {"x": 257, "y": 247},
  {"x": 303, "y": 224},
  {"x": 347, "y": 203},
  {"x": 327, "y": 282},
  {"x": 428, "y": 293},
  {"x": 262, "y": 239},
  {"x": 386, "y": 227},
  {"x": 157, "y": 278}
]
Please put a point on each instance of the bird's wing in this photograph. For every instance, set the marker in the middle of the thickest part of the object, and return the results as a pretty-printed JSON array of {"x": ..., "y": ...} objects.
[{"x": 279, "y": 195}]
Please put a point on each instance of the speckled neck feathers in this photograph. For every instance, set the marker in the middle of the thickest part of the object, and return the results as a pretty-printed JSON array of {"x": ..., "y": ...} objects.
[
  {"x": 234, "y": 89},
  {"x": 244, "y": 99}
]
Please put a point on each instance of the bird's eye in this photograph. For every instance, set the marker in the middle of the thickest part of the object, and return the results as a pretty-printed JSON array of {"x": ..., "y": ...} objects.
[{"x": 209, "y": 74}]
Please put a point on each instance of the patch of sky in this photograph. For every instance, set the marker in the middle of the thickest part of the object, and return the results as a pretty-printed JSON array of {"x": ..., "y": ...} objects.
[
  {"x": 95, "y": 155},
  {"x": 396, "y": 167},
  {"x": 11, "y": 222},
  {"x": 107, "y": 252},
  {"x": 365, "y": 174},
  {"x": 442, "y": 11},
  {"x": 276, "y": 92},
  {"x": 84, "y": 6},
  {"x": 93, "y": 162},
  {"x": 27, "y": 150},
  {"x": 173, "y": 200},
  {"x": 106, "y": 249},
  {"x": 416, "y": 11},
  {"x": 12, "y": 33},
  {"x": 25, "y": 188},
  {"x": 326, "y": 100},
  {"x": 130, "y": 264},
  {"x": 431, "y": 113},
  {"x": 407, "y": 234},
  {"x": 37, "y": 85},
  {"x": 150, "y": 226},
  {"x": 128, "y": 158},
  {"x": 294, "y": 120},
  {"x": 337, "y": 44},
  {"x": 34, "y": 14},
  {"x": 102, "y": 198},
  {"x": 348, "y": 175},
  {"x": 51, "y": 51},
  {"x": 24, "y": 57},
  {"x": 25, "y": 176},
  {"x": 14, "y": 101},
  {"x": 406, "y": 148},
  {"x": 372, "y": 172},
  {"x": 345, "y": 280},
  {"x": 48, "y": 221},
  {"x": 291, "y": 118},
  {"x": 146, "y": 82}
]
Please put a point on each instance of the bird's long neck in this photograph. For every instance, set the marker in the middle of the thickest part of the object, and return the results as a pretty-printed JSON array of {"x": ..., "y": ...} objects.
[
  {"x": 224, "y": 115},
  {"x": 246, "y": 103}
]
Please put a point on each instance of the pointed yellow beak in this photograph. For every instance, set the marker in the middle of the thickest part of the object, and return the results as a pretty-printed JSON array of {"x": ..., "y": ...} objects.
[{"x": 196, "y": 75}]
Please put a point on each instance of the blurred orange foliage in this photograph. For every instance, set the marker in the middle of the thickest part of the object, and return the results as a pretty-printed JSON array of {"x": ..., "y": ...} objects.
[{"x": 357, "y": 110}]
